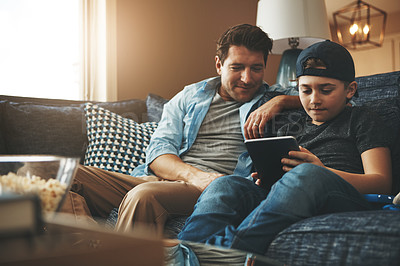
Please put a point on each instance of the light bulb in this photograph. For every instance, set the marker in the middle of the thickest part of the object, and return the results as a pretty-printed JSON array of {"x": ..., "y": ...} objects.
[
  {"x": 366, "y": 29},
  {"x": 353, "y": 29}
]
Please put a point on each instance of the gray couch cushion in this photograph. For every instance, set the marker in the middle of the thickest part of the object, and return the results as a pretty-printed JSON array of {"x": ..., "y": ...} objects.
[
  {"x": 134, "y": 108},
  {"x": 54, "y": 127},
  {"x": 378, "y": 86},
  {"x": 3, "y": 149},
  {"x": 41, "y": 129},
  {"x": 341, "y": 239},
  {"x": 155, "y": 105}
]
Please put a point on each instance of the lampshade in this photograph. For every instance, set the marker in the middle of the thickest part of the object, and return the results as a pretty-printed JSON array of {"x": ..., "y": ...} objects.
[{"x": 304, "y": 20}]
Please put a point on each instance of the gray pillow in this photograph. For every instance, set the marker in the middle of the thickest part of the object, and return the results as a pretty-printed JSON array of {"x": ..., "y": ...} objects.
[{"x": 155, "y": 105}]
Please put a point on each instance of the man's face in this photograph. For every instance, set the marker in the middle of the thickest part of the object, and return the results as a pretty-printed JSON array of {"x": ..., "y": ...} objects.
[
  {"x": 323, "y": 98},
  {"x": 241, "y": 74}
]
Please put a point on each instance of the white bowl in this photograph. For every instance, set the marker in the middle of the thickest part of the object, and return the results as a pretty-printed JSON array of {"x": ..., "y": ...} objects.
[{"x": 48, "y": 177}]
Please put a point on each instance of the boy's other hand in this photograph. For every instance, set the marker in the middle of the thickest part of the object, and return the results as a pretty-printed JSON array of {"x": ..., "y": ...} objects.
[
  {"x": 255, "y": 176},
  {"x": 258, "y": 181}
]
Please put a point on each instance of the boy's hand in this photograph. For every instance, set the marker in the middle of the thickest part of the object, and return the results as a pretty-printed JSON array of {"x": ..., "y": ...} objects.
[
  {"x": 299, "y": 157},
  {"x": 255, "y": 176}
]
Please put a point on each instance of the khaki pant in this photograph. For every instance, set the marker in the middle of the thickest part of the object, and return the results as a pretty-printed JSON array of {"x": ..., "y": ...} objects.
[{"x": 143, "y": 204}]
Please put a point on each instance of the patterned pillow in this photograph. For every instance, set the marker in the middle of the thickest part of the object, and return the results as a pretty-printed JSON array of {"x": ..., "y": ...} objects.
[{"x": 116, "y": 143}]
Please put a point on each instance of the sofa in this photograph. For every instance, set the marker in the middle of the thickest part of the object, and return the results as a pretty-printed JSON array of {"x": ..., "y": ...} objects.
[{"x": 114, "y": 136}]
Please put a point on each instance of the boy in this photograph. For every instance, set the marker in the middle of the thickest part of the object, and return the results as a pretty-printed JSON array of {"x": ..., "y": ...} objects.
[{"x": 339, "y": 161}]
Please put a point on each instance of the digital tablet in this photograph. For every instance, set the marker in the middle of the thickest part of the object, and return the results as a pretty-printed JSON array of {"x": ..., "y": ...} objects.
[{"x": 266, "y": 154}]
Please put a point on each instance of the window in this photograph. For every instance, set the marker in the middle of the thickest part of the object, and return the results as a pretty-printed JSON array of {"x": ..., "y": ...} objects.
[{"x": 40, "y": 48}]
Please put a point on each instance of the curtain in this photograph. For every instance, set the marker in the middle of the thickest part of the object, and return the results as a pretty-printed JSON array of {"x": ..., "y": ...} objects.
[{"x": 98, "y": 52}]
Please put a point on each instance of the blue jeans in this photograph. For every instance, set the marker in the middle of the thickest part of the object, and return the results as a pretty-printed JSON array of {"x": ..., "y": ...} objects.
[{"x": 234, "y": 212}]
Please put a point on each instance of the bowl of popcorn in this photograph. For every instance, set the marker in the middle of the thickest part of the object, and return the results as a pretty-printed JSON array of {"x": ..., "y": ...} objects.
[{"x": 47, "y": 177}]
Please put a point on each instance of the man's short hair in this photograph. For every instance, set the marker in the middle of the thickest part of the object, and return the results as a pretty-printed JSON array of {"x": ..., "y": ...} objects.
[{"x": 249, "y": 36}]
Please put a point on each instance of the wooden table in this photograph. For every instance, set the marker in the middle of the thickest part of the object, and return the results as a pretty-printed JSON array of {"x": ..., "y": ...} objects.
[{"x": 64, "y": 243}]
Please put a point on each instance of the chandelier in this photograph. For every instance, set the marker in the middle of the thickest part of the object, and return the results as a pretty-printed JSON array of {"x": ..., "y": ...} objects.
[{"x": 360, "y": 25}]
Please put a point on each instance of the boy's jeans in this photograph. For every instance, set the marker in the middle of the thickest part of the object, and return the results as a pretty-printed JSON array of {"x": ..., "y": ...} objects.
[{"x": 234, "y": 212}]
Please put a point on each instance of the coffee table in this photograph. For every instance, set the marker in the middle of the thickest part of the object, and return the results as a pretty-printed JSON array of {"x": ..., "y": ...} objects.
[{"x": 66, "y": 243}]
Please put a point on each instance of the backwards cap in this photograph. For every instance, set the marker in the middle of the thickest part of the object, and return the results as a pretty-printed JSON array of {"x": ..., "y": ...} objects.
[{"x": 338, "y": 61}]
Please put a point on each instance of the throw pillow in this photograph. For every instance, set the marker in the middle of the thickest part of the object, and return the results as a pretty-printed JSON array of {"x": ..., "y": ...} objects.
[
  {"x": 116, "y": 143},
  {"x": 134, "y": 109},
  {"x": 155, "y": 105}
]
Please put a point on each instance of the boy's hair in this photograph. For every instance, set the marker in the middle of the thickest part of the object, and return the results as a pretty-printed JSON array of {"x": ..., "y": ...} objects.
[
  {"x": 249, "y": 36},
  {"x": 314, "y": 63},
  {"x": 317, "y": 63},
  {"x": 338, "y": 63}
]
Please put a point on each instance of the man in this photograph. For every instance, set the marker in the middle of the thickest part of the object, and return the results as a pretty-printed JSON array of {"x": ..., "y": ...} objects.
[{"x": 199, "y": 138}]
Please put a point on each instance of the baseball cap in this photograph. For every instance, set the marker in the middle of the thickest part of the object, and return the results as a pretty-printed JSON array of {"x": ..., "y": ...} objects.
[{"x": 338, "y": 61}]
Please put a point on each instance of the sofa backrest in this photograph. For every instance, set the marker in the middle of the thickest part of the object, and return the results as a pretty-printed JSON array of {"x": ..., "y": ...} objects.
[
  {"x": 56, "y": 127},
  {"x": 379, "y": 86}
]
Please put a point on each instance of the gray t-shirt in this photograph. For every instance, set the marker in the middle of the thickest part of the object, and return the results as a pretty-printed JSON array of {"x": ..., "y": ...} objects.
[
  {"x": 340, "y": 142},
  {"x": 219, "y": 141}
]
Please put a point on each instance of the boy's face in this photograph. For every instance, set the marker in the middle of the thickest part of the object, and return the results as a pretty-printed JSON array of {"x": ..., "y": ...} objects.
[
  {"x": 241, "y": 74},
  {"x": 324, "y": 98}
]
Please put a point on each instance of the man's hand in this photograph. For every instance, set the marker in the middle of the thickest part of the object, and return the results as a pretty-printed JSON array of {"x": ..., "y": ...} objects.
[
  {"x": 299, "y": 157},
  {"x": 203, "y": 179},
  {"x": 255, "y": 124},
  {"x": 171, "y": 167}
]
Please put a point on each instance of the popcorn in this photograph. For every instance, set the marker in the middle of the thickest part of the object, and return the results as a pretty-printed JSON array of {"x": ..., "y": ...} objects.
[{"x": 49, "y": 191}]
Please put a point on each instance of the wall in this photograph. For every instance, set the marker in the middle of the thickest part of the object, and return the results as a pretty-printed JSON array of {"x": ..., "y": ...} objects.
[
  {"x": 164, "y": 45},
  {"x": 379, "y": 59}
]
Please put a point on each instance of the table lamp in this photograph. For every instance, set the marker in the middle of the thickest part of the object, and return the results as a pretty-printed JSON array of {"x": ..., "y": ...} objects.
[{"x": 293, "y": 25}]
